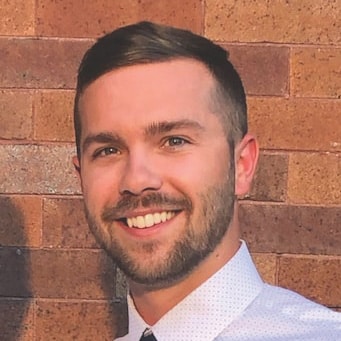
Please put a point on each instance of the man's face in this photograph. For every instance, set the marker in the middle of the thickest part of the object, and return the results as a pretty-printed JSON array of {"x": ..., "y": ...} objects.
[{"x": 155, "y": 168}]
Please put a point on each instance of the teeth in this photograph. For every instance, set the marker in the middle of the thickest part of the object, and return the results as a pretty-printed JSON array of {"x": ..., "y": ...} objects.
[
  {"x": 149, "y": 220},
  {"x": 163, "y": 216},
  {"x": 157, "y": 218},
  {"x": 140, "y": 222}
]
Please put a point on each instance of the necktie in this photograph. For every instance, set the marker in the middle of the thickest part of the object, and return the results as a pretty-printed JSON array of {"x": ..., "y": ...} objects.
[{"x": 147, "y": 336}]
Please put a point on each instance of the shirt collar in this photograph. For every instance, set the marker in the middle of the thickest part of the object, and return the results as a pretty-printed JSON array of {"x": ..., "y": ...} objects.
[{"x": 209, "y": 309}]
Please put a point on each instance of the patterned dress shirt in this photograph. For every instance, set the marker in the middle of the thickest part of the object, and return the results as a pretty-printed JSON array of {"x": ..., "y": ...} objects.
[{"x": 236, "y": 305}]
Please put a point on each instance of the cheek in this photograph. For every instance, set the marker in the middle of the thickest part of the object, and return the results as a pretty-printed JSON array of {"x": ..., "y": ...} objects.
[
  {"x": 99, "y": 187},
  {"x": 200, "y": 172}
]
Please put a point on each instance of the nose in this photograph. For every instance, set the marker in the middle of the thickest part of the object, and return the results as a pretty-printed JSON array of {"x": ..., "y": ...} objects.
[{"x": 140, "y": 175}]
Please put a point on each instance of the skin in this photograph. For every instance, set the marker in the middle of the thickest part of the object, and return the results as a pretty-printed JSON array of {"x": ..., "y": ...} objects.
[{"x": 139, "y": 156}]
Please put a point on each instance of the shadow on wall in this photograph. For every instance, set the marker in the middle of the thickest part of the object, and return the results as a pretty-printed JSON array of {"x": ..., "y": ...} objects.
[
  {"x": 108, "y": 316},
  {"x": 15, "y": 293},
  {"x": 116, "y": 296}
]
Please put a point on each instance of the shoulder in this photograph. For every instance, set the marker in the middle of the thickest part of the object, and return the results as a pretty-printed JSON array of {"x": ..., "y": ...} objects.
[
  {"x": 279, "y": 313},
  {"x": 291, "y": 304}
]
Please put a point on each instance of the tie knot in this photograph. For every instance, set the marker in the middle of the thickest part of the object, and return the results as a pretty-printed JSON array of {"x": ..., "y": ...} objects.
[{"x": 148, "y": 335}]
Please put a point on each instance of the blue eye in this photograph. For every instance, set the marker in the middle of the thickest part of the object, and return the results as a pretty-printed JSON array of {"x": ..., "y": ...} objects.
[
  {"x": 175, "y": 141},
  {"x": 106, "y": 152}
]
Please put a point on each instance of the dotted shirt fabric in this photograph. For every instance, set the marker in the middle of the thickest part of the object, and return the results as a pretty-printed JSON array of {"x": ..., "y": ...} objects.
[{"x": 236, "y": 305}]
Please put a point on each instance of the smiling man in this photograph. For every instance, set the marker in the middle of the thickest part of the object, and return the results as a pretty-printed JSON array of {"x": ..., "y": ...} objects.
[{"x": 162, "y": 153}]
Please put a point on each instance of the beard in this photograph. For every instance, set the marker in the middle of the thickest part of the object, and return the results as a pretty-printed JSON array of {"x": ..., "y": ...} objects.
[{"x": 144, "y": 262}]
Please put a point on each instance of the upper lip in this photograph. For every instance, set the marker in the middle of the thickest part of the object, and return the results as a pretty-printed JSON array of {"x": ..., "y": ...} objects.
[{"x": 138, "y": 213}]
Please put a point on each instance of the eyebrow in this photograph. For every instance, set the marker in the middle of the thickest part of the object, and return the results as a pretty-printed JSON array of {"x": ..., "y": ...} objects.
[
  {"x": 104, "y": 137},
  {"x": 152, "y": 129},
  {"x": 167, "y": 126}
]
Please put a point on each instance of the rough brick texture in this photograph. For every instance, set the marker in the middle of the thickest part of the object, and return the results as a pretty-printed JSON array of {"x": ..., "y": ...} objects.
[
  {"x": 296, "y": 123},
  {"x": 16, "y": 115},
  {"x": 45, "y": 63},
  {"x": 53, "y": 116},
  {"x": 17, "y": 320},
  {"x": 79, "y": 320},
  {"x": 55, "y": 281},
  {"x": 314, "y": 178},
  {"x": 271, "y": 178},
  {"x": 280, "y": 228},
  {"x": 37, "y": 169},
  {"x": 17, "y": 17},
  {"x": 304, "y": 21},
  {"x": 20, "y": 221},
  {"x": 64, "y": 224},
  {"x": 316, "y": 72},
  {"x": 264, "y": 69},
  {"x": 63, "y": 19},
  {"x": 322, "y": 280}
]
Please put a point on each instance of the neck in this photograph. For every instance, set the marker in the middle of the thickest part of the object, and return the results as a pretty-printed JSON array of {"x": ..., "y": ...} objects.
[{"x": 152, "y": 304}]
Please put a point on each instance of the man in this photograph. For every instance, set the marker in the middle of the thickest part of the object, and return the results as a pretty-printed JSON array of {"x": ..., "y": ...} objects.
[{"x": 162, "y": 153}]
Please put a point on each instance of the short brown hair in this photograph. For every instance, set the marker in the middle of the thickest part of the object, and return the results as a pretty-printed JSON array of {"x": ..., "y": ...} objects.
[{"x": 146, "y": 42}]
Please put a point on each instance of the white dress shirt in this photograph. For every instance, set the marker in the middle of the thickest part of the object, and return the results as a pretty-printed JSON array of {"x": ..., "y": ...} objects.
[{"x": 236, "y": 305}]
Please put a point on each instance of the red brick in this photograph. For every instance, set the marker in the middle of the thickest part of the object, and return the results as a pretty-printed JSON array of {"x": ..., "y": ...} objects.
[
  {"x": 267, "y": 266},
  {"x": 303, "y": 21},
  {"x": 54, "y": 116},
  {"x": 263, "y": 69},
  {"x": 65, "y": 224},
  {"x": 38, "y": 169},
  {"x": 318, "y": 278},
  {"x": 314, "y": 178},
  {"x": 20, "y": 221},
  {"x": 15, "y": 272},
  {"x": 291, "y": 229},
  {"x": 270, "y": 180},
  {"x": 296, "y": 124},
  {"x": 69, "y": 18},
  {"x": 66, "y": 321},
  {"x": 17, "y": 17},
  {"x": 186, "y": 14},
  {"x": 66, "y": 274},
  {"x": 71, "y": 274},
  {"x": 15, "y": 114},
  {"x": 44, "y": 63},
  {"x": 316, "y": 72},
  {"x": 16, "y": 320}
]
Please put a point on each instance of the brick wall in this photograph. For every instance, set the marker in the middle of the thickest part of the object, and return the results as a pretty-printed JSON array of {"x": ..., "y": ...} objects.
[{"x": 55, "y": 283}]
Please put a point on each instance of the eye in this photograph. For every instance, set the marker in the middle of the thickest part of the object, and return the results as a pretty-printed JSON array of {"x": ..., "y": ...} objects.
[
  {"x": 103, "y": 152},
  {"x": 175, "y": 141}
]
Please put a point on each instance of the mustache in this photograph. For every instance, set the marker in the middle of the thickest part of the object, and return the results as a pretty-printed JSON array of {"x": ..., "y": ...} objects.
[{"x": 130, "y": 202}]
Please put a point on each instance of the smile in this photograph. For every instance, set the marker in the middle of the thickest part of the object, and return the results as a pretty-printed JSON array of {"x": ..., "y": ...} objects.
[{"x": 150, "y": 219}]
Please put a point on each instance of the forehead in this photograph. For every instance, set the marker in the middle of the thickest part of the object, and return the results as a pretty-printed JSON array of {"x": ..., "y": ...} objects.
[
  {"x": 148, "y": 92},
  {"x": 174, "y": 71}
]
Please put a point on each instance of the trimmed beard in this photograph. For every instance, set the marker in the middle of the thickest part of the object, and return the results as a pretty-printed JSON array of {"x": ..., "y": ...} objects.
[{"x": 194, "y": 244}]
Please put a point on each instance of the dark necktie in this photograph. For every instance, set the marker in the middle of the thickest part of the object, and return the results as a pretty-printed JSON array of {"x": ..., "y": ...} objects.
[{"x": 147, "y": 336}]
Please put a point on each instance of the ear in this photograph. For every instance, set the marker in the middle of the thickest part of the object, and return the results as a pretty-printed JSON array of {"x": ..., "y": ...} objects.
[
  {"x": 246, "y": 157},
  {"x": 77, "y": 165}
]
